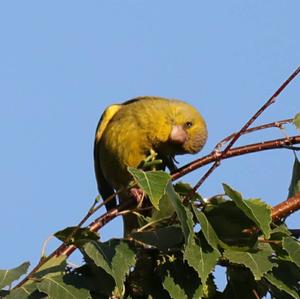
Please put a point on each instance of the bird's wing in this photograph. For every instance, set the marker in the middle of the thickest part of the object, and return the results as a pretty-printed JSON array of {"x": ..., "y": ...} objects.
[
  {"x": 104, "y": 187},
  {"x": 107, "y": 115}
]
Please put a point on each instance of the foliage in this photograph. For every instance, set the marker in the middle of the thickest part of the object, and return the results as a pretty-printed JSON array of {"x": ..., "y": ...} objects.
[
  {"x": 296, "y": 121},
  {"x": 171, "y": 257}
]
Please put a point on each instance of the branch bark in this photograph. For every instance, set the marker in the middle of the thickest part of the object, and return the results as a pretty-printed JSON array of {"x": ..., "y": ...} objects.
[
  {"x": 286, "y": 208},
  {"x": 281, "y": 212},
  {"x": 238, "y": 151}
]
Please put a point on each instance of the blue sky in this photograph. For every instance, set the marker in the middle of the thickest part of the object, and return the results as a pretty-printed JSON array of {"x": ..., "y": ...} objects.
[{"x": 63, "y": 62}]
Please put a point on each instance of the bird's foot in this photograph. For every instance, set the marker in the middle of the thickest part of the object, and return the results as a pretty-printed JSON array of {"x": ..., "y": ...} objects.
[{"x": 137, "y": 194}]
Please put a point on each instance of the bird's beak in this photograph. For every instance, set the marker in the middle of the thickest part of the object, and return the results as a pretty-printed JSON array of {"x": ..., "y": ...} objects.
[{"x": 178, "y": 135}]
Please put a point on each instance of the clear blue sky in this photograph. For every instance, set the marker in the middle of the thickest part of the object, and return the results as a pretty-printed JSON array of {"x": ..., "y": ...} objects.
[{"x": 63, "y": 62}]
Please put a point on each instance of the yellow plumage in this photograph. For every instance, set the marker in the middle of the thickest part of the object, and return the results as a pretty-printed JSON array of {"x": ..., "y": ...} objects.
[{"x": 127, "y": 133}]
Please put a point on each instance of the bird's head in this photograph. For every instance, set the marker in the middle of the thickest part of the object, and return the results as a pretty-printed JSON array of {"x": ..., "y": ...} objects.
[{"x": 188, "y": 129}]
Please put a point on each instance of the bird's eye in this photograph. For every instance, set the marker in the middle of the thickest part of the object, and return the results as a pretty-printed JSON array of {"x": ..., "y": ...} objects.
[{"x": 188, "y": 124}]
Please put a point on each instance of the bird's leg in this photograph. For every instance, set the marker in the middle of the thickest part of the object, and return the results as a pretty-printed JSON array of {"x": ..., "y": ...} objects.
[
  {"x": 138, "y": 195},
  {"x": 170, "y": 163}
]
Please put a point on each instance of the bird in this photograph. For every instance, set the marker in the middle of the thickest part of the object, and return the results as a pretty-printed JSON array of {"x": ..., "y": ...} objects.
[{"x": 129, "y": 132}]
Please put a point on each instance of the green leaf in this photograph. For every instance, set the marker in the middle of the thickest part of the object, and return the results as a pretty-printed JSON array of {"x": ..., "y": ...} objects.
[
  {"x": 285, "y": 278},
  {"x": 184, "y": 275},
  {"x": 55, "y": 287},
  {"x": 292, "y": 246},
  {"x": 115, "y": 257},
  {"x": 165, "y": 211},
  {"x": 28, "y": 290},
  {"x": 122, "y": 261},
  {"x": 146, "y": 279},
  {"x": 199, "y": 292},
  {"x": 256, "y": 210},
  {"x": 208, "y": 231},
  {"x": 257, "y": 261},
  {"x": 184, "y": 215},
  {"x": 295, "y": 180},
  {"x": 296, "y": 121},
  {"x": 175, "y": 291},
  {"x": 101, "y": 254},
  {"x": 278, "y": 234},
  {"x": 280, "y": 231},
  {"x": 184, "y": 189},
  {"x": 280, "y": 285},
  {"x": 55, "y": 266},
  {"x": 202, "y": 257},
  {"x": 152, "y": 182},
  {"x": 92, "y": 278},
  {"x": 8, "y": 276},
  {"x": 229, "y": 223},
  {"x": 76, "y": 235},
  {"x": 240, "y": 284},
  {"x": 162, "y": 238}
]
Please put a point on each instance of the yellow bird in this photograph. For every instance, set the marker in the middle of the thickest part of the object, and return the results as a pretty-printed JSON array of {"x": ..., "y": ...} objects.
[{"x": 128, "y": 133}]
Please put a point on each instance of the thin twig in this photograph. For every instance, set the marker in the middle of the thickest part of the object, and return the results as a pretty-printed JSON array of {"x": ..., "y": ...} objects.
[
  {"x": 90, "y": 212},
  {"x": 237, "y": 151},
  {"x": 268, "y": 103},
  {"x": 255, "y": 293},
  {"x": 149, "y": 224},
  {"x": 67, "y": 250},
  {"x": 276, "y": 124}
]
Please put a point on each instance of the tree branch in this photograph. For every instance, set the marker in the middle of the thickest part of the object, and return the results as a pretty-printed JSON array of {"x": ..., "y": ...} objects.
[
  {"x": 268, "y": 103},
  {"x": 286, "y": 208},
  {"x": 276, "y": 124},
  {"x": 280, "y": 212},
  {"x": 238, "y": 151}
]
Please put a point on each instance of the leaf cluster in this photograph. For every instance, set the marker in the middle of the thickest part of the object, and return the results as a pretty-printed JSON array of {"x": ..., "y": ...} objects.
[
  {"x": 175, "y": 252},
  {"x": 174, "y": 255}
]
